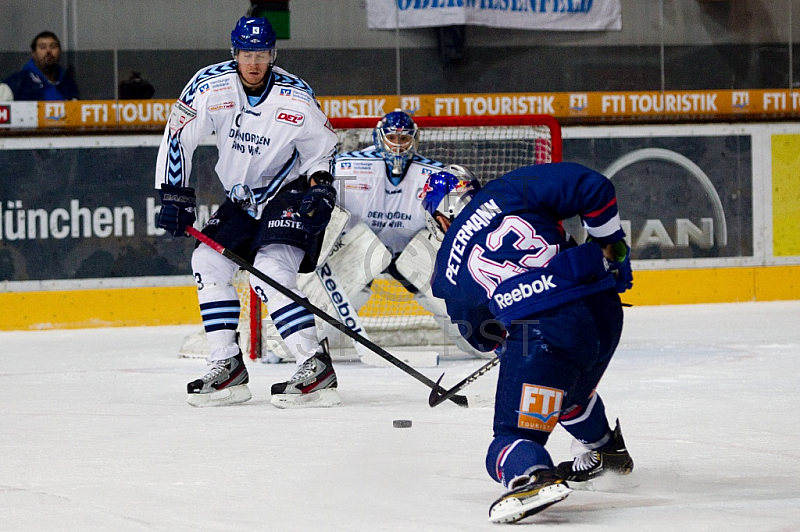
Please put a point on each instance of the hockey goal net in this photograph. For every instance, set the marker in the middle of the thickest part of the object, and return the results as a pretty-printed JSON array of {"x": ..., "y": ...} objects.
[{"x": 489, "y": 146}]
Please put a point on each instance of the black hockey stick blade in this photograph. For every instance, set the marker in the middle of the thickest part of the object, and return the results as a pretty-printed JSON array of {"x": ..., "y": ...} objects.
[
  {"x": 436, "y": 397},
  {"x": 225, "y": 252},
  {"x": 433, "y": 398}
]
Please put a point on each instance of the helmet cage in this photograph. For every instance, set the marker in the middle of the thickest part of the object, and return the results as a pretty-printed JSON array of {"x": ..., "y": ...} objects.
[
  {"x": 446, "y": 193},
  {"x": 396, "y": 138}
]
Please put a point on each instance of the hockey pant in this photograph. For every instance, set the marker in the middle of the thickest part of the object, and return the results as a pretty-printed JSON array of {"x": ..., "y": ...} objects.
[{"x": 549, "y": 369}]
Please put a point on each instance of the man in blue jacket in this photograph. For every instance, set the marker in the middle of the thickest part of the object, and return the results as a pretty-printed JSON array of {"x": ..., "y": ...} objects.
[{"x": 42, "y": 78}]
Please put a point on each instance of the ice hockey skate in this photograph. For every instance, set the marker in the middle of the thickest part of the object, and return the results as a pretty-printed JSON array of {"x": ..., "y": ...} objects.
[
  {"x": 312, "y": 385},
  {"x": 528, "y": 496},
  {"x": 224, "y": 384},
  {"x": 613, "y": 457}
]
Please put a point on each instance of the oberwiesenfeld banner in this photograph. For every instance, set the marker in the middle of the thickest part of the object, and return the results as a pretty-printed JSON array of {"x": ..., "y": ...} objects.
[{"x": 556, "y": 15}]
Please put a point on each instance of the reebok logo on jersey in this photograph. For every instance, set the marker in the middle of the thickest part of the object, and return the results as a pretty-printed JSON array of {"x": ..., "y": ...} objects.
[
  {"x": 524, "y": 291},
  {"x": 290, "y": 117}
]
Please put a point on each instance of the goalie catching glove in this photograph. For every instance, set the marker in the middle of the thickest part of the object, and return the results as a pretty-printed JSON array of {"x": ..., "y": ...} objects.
[
  {"x": 317, "y": 206},
  {"x": 177, "y": 209}
]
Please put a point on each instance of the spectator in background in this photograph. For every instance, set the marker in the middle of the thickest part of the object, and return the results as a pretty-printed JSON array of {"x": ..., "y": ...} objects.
[
  {"x": 134, "y": 87},
  {"x": 42, "y": 78}
]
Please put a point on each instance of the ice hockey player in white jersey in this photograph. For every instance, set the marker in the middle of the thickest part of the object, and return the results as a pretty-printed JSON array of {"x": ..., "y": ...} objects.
[
  {"x": 276, "y": 151},
  {"x": 382, "y": 186}
]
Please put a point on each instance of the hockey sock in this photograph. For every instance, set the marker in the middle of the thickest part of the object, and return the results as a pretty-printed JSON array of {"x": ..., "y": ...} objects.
[
  {"x": 296, "y": 326},
  {"x": 220, "y": 320},
  {"x": 588, "y": 424},
  {"x": 509, "y": 458}
]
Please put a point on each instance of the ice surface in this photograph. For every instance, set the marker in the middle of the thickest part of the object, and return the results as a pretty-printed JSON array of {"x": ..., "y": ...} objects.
[{"x": 96, "y": 434}]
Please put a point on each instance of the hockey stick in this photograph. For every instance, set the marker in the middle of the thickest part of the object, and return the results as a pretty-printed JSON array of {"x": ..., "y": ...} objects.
[
  {"x": 460, "y": 400},
  {"x": 436, "y": 397}
]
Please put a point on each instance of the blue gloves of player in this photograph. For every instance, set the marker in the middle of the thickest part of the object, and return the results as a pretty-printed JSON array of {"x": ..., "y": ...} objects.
[
  {"x": 316, "y": 208},
  {"x": 621, "y": 265},
  {"x": 177, "y": 209}
]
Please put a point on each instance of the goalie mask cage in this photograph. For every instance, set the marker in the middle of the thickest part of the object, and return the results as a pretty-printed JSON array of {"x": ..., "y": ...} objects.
[{"x": 489, "y": 146}]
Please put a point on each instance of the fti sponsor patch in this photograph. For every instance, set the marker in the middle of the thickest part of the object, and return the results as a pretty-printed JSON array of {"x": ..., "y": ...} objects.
[{"x": 539, "y": 407}]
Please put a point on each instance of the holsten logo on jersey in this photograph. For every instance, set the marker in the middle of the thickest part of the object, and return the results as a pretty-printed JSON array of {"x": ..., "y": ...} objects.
[
  {"x": 524, "y": 291},
  {"x": 290, "y": 117},
  {"x": 287, "y": 219}
]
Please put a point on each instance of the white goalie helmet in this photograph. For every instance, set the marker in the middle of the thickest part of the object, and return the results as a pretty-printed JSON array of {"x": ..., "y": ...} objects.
[{"x": 446, "y": 193}]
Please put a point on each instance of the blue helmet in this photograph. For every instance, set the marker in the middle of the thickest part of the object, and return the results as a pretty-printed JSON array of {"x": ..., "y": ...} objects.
[
  {"x": 253, "y": 34},
  {"x": 401, "y": 146},
  {"x": 447, "y": 193}
]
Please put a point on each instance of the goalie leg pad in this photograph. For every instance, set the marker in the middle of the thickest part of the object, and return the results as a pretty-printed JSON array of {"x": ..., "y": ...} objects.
[
  {"x": 417, "y": 260},
  {"x": 359, "y": 259}
]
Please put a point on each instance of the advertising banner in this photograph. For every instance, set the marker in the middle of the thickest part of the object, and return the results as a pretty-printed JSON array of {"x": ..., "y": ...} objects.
[
  {"x": 680, "y": 197},
  {"x": 554, "y": 15},
  {"x": 85, "y": 207},
  {"x": 786, "y": 195},
  {"x": 580, "y": 106},
  {"x": 575, "y": 107},
  {"x": 88, "y": 212}
]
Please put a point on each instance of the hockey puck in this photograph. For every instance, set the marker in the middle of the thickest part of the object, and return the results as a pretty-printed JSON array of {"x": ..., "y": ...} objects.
[{"x": 401, "y": 423}]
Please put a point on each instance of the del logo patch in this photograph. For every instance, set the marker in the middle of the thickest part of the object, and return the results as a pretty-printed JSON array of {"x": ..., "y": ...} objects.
[
  {"x": 290, "y": 117},
  {"x": 539, "y": 407}
]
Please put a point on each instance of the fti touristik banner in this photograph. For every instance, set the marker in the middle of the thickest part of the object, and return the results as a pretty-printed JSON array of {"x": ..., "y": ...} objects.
[{"x": 555, "y": 15}]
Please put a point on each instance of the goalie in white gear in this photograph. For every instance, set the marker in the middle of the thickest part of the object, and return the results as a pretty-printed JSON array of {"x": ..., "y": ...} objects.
[
  {"x": 381, "y": 186},
  {"x": 276, "y": 152}
]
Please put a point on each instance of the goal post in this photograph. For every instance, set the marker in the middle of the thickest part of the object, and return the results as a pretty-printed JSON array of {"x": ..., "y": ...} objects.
[{"x": 489, "y": 146}]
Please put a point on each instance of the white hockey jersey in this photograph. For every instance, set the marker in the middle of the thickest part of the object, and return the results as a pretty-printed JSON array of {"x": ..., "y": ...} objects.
[
  {"x": 261, "y": 147},
  {"x": 394, "y": 213}
]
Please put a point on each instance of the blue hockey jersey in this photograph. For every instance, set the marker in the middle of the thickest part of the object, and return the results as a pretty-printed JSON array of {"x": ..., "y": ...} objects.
[{"x": 507, "y": 256}]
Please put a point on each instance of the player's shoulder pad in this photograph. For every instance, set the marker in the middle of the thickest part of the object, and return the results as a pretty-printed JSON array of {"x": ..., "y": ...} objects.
[
  {"x": 419, "y": 159},
  {"x": 205, "y": 77},
  {"x": 290, "y": 83},
  {"x": 359, "y": 154}
]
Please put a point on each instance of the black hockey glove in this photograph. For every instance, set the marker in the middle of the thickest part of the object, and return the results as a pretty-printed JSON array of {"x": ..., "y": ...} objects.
[
  {"x": 177, "y": 209},
  {"x": 321, "y": 177},
  {"x": 316, "y": 208},
  {"x": 621, "y": 265}
]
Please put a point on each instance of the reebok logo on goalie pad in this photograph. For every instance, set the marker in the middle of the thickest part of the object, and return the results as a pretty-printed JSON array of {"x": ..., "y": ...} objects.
[{"x": 539, "y": 407}]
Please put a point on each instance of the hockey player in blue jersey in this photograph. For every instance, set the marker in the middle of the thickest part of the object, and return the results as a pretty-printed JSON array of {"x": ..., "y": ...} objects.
[{"x": 516, "y": 282}]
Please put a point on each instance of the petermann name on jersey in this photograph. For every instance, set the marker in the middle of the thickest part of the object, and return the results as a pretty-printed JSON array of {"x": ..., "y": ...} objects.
[{"x": 476, "y": 221}]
